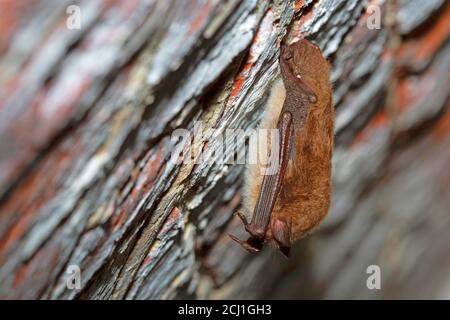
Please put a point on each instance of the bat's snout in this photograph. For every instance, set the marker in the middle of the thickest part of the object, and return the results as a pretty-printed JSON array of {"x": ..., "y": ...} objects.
[{"x": 308, "y": 44}]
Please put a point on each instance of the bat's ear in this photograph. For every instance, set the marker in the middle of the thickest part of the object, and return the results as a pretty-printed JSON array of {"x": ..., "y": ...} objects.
[{"x": 281, "y": 232}]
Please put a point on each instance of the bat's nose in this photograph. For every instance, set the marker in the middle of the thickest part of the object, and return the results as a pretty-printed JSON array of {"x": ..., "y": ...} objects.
[
  {"x": 315, "y": 46},
  {"x": 308, "y": 43},
  {"x": 301, "y": 43},
  {"x": 304, "y": 41}
]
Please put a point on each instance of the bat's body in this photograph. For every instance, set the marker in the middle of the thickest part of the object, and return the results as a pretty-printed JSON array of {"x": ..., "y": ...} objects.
[{"x": 287, "y": 205}]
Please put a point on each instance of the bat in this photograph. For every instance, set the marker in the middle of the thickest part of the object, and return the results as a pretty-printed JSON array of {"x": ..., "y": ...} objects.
[{"x": 289, "y": 204}]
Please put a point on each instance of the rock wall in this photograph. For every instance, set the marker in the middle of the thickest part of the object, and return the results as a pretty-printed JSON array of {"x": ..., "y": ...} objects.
[{"x": 87, "y": 115}]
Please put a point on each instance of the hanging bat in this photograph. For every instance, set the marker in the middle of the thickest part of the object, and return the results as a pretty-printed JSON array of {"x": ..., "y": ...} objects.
[{"x": 289, "y": 204}]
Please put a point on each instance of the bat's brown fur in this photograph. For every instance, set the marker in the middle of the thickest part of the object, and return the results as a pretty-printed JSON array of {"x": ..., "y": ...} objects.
[{"x": 306, "y": 189}]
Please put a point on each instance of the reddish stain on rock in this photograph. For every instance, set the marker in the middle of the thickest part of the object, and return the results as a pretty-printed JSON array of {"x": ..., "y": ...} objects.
[
  {"x": 200, "y": 18},
  {"x": 12, "y": 12},
  {"x": 298, "y": 4},
  {"x": 36, "y": 270},
  {"x": 379, "y": 120},
  {"x": 428, "y": 41},
  {"x": 412, "y": 89},
  {"x": 307, "y": 14},
  {"x": 170, "y": 221},
  {"x": 24, "y": 204},
  {"x": 118, "y": 220},
  {"x": 262, "y": 34},
  {"x": 442, "y": 129},
  {"x": 239, "y": 80}
]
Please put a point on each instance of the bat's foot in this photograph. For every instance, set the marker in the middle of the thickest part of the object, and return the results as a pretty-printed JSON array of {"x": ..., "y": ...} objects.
[
  {"x": 255, "y": 231},
  {"x": 281, "y": 232},
  {"x": 252, "y": 245}
]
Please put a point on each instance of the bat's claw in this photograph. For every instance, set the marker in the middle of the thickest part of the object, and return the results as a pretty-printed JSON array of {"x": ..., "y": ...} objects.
[
  {"x": 286, "y": 251},
  {"x": 251, "y": 245},
  {"x": 242, "y": 217}
]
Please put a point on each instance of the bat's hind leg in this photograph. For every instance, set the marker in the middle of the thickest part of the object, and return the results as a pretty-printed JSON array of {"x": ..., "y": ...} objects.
[
  {"x": 255, "y": 230},
  {"x": 255, "y": 243}
]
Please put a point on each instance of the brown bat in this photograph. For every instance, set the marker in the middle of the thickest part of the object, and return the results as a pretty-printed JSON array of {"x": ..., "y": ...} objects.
[{"x": 289, "y": 204}]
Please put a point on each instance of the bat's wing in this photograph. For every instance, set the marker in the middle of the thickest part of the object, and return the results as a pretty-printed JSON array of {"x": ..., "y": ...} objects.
[
  {"x": 271, "y": 183},
  {"x": 270, "y": 188}
]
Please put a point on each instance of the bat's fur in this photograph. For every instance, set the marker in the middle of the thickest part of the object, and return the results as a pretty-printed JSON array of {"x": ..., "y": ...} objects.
[{"x": 306, "y": 189}]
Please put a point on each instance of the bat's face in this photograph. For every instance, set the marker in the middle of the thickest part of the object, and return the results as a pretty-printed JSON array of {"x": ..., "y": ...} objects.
[{"x": 303, "y": 60}]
